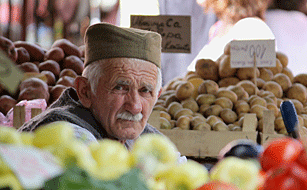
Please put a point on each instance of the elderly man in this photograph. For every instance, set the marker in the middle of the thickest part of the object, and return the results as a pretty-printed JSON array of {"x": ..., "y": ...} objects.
[{"x": 118, "y": 88}]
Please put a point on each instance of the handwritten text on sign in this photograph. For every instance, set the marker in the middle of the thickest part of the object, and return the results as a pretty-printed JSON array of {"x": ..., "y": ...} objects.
[
  {"x": 31, "y": 165},
  {"x": 243, "y": 53},
  {"x": 175, "y": 30}
]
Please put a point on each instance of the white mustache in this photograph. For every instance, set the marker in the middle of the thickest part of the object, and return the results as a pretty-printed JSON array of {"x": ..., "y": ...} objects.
[{"x": 129, "y": 116}]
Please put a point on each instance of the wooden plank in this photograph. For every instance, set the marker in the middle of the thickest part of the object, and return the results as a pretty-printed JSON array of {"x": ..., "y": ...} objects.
[
  {"x": 35, "y": 112},
  {"x": 267, "y": 138},
  {"x": 154, "y": 119},
  {"x": 250, "y": 122},
  {"x": 18, "y": 116},
  {"x": 204, "y": 143},
  {"x": 268, "y": 122}
]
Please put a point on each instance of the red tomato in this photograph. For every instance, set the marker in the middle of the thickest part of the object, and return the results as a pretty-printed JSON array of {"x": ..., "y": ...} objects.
[
  {"x": 218, "y": 185},
  {"x": 281, "y": 151},
  {"x": 287, "y": 177},
  {"x": 302, "y": 159}
]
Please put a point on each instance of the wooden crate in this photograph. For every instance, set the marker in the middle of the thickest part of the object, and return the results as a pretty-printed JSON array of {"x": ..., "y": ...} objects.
[
  {"x": 19, "y": 113},
  {"x": 202, "y": 144},
  {"x": 269, "y": 134}
]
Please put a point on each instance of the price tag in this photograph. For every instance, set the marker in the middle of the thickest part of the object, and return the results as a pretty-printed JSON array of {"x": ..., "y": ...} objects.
[
  {"x": 243, "y": 53},
  {"x": 175, "y": 30},
  {"x": 10, "y": 75},
  {"x": 32, "y": 166}
]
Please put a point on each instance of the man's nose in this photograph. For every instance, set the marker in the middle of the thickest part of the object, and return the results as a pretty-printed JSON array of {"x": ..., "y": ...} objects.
[{"x": 133, "y": 102}]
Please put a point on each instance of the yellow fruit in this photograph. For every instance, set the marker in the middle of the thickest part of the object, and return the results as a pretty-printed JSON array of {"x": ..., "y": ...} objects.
[
  {"x": 27, "y": 138},
  {"x": 9, "y": 180},
  {"x": 4, "y": 168},
  {"x": 56, "y": 133},
  {"x": 9, "y": 135},
  {"x": 112, "y": 159}
]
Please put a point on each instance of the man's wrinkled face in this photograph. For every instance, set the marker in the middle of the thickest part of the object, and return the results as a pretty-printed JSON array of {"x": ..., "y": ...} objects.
[{"x": 125, "y": 97}]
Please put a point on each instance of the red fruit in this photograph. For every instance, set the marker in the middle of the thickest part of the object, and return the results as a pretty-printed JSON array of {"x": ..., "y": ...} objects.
[
  {"x": 218, "y": 185},
  {"x": 281, "y": 151}
]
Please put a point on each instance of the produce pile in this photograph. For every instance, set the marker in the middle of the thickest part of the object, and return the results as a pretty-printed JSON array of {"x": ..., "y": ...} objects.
[
  {"x": 216, "y": 97},
  {"x": 46, "y": 72},
  {"x": 151, "y": 164}
]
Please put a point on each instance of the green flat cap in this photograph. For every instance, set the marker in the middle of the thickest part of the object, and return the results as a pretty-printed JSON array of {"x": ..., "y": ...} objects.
[{"x": 104, "y": 40}]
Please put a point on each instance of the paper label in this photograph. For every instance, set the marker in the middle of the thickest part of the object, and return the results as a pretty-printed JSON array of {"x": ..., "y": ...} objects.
[
  {"x": 175, "y": 30},
  {"x": 31, "y": 165},
  {"x": 10, "y": 75},
  {"x": 243, "y": 53}
]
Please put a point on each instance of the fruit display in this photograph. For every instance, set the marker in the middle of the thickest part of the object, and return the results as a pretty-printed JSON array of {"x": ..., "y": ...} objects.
[
  {"x": 103, "y": 164},
  {"x": 216, "y": 97},
  {"x": 47, "y": 72}
]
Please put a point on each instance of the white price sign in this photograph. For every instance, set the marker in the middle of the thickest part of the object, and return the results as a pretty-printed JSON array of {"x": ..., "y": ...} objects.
[
  {"x": 243, "y": 53},
  {"x": 31, "y": 165}
]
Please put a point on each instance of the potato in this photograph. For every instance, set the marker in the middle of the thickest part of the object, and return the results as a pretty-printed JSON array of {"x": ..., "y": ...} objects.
[
  {"x": 208, "y": 87},
  {"x": 8, "y": 48},
  {"x": 260, "y": 83},
  {"x": 164, "y": 123},
  {"x": 173, "y": 123},
  {"x": 207, "y": 69},
  {"x": 28, "y": 75},
  {"x": 301, "y": 78},
  {"x": 51, "y": 66},
  {"x": 279, "y": 124},
  {"x": 196, "y": 83},
  {"x": 228, "y": 94},
  {"x": 225, "y": 82},
  {"x": 66, "y": 81},
  {"x": 196, "y": 120},
  {"x": 36, "y": 52},
  {"x": 283, "y": 58},
  {"x": 33, "y": 88},
  {"x": 283, "y": 80},
  {"x": 304, "y": 116},
  {"x": 247, "y": 73},
  {"x": 171, "y": 98},
  {"x": 273, "y": 87},
  {"x": 50, "y": 77},
  {"x": 205, "y": 99},
  {"x": 260, "y": 125},
  {"x": 203, "y": 108},
  {"x": 297, "y": 91},
  {"x": 171, "y": 84},
  {"x": 183, "y": 122},
  {"x": 184, "y": 90},
  {"x": 224, "y": 102},
  {"x": 156, "y": 107},
  {"x": 220, "y": 126},
  {"x": 73, "y": 62},
  {"x": 248, "y": 86},
  {"x": 258, "y": 100},
  {"x": 68, "y": 47},
  {"x": 227, "y": 49},
  {"x": 240, "y": 92},
  {"x": 270, "y": 100},
  {"x": 225, "y": 70},
  {"x": 202, "y": 127},
  {"x": 68, "y": 72},
  {"x": 258, "y": 110},
  {"x": 277, "y": 69},
  {"x": 6, "y": 103},
  {"x": 272, "y": 106},
  {"x": 288, "y": 72},
  {"x": 173, "y": 107},
  {"x": 22, "y": 55},
  {"x": 28, "y": 67},
  {"x": 183, "y": 111},
  {"x": 228, "y": 116},
  {"x": 283, "y": 131},
  {"x": 212, "y": 119},
  {"x": 56, "y": 54},
  {"x": 300, "y": 120},
  {"x": 191, "y": 104},
  {"x": 243, "y": 107},
  {"x": 213, "y": 110},
  {"x": 298, "y": 106},
  {"x": 191, "y": 74},
  {"x": 56, "y": 92},
  {"x": 266, "y": 74}
]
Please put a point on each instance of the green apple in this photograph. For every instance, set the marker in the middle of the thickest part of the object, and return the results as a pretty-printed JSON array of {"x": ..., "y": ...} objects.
[{"x": 243, "y": 173}]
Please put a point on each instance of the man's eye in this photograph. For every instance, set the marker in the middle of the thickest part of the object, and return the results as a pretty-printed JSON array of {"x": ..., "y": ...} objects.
[
  {"x": 118, "y": 87},
  {"x": 145, "y": 90}
]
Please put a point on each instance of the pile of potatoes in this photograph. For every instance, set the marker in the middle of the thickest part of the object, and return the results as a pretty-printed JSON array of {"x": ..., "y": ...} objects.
[
  {"x": 47, "y": 72},
  {"x": 216, "y": 97}
]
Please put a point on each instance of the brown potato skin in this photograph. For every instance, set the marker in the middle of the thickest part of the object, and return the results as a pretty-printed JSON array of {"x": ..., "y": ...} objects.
[
  {"x": 50, "y": 65},
  {"x": 8, "y": 47},
  {"x": 36, "y": 52},
  {"x": 207, "y": 69},
  {"x": 28, "y": 67},
  {"x": 6, "y": 103},
  {"x": 56, "y": 53},
  {"x": 68, "y": 47},
  {"x": 73, "y": 62},
  {"x": 23, "y": 55}
]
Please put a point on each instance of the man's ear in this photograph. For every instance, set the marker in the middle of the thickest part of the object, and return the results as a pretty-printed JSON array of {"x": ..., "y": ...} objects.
[
  {"x": 83, "y": 88},
  {"x": 160, "y": 92}
]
